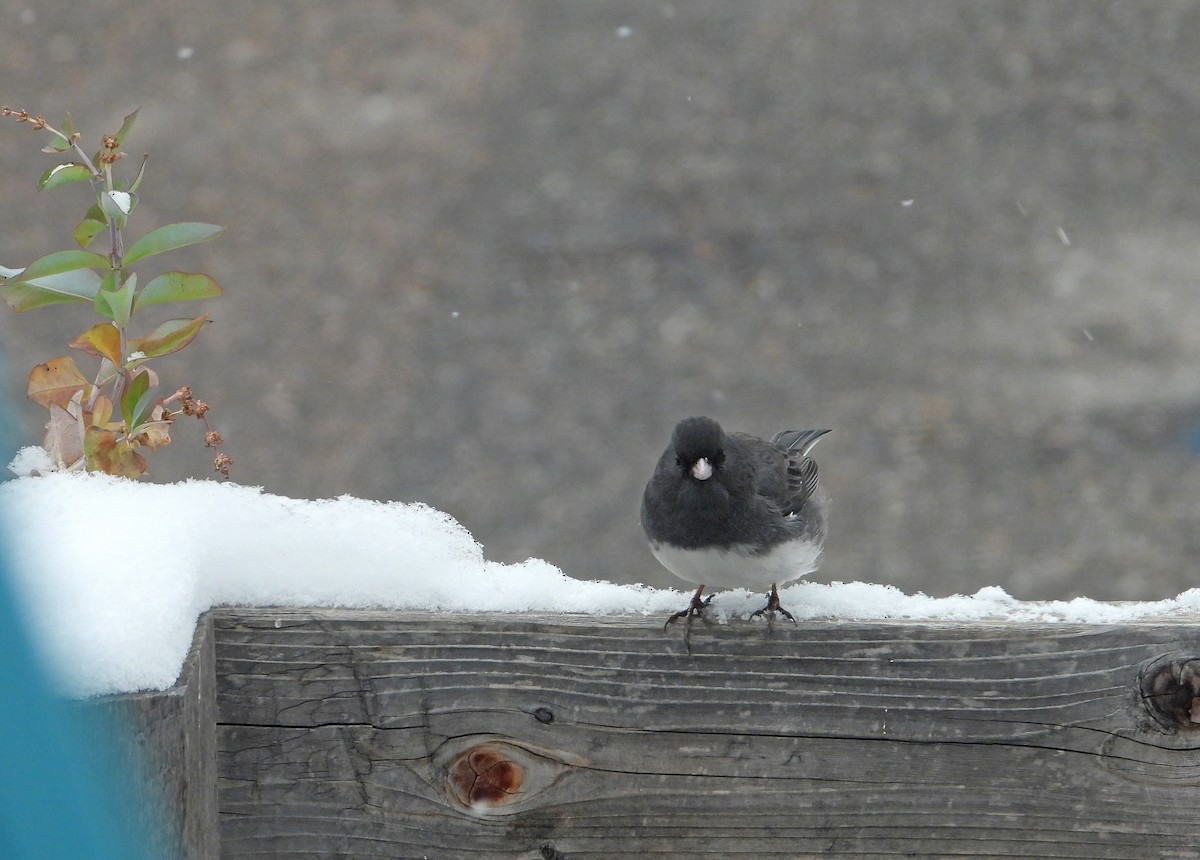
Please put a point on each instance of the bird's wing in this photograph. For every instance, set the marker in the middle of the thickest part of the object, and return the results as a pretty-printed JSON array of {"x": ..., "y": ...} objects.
[
  {"x": 801, "y": 471},
  {"x": 802, "y": 483}
]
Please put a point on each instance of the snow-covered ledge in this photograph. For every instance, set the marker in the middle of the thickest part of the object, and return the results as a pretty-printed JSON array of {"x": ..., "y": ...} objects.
[{"x": 470, "y": 709}]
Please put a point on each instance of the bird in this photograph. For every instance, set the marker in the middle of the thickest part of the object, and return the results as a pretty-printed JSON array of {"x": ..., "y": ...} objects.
[{"x": 731, "y": 510}]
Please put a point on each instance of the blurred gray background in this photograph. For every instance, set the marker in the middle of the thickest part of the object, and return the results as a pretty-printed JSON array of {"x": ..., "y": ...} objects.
[{"x": 483, "y": 255}]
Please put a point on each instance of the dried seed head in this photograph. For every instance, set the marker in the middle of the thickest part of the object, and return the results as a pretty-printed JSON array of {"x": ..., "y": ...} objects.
[
  {"x": 222, "y": 464},
  {"x": 212, "y": 439},
  {"x": 20, "y": 115},
  {"x": 195, "y": 408}
]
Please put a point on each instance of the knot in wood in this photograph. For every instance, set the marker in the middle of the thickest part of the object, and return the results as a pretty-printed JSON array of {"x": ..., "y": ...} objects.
[
  {"x": 486, "y": 776},
  {"x": 1171, "y": 692}
]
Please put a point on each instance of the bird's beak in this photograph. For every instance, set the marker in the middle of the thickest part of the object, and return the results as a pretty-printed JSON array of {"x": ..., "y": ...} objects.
[{"x": 702, "y": 470}]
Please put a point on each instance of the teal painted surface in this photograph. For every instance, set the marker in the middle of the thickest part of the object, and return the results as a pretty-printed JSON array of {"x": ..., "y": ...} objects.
[{"x": 61, "y": 798}]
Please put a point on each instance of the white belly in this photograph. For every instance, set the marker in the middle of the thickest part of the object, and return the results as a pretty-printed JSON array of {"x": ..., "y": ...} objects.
[{"x": 736, "y": 567}]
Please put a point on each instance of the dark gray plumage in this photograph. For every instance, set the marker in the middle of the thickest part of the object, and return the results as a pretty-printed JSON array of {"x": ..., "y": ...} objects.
[{"x": 729, "y": 510}]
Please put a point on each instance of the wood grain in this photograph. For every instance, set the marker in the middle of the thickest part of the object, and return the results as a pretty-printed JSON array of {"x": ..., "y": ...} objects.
[
  {"x": 167, "y": 738},
  {"x": 373, "y": 734}
]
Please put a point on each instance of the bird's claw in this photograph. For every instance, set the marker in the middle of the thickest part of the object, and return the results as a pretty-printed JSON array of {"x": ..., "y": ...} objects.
[
  {"x": 694, "y": 609},
  {"x": 773, "y": 607}
]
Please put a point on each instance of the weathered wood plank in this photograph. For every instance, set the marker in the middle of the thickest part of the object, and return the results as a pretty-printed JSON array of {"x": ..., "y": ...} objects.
[
  {"x": 169, "y": 736},
  {"x": 371, "y": 734}
]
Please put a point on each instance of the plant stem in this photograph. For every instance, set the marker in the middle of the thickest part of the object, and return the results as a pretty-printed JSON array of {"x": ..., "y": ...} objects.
[
  {"x": 74, "y": 143},
  {"x": 91, "y": 404},
  {"x": 87, "y": 162}
]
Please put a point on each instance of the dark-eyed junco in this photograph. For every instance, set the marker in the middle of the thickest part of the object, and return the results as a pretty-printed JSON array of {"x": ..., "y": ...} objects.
[{"x": 729, "y": 510}]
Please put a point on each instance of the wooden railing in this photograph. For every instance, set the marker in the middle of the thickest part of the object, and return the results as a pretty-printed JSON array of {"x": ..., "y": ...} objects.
[{"x": 379, "y": 734}]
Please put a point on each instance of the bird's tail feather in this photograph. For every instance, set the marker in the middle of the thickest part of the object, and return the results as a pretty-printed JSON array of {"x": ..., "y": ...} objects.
[{"x": 797, "y": 440}]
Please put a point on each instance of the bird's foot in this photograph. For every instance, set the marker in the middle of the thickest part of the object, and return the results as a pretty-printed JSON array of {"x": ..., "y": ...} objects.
[
  {"x": 694, "y": 609},
  {"x": 773, "y": 606}
]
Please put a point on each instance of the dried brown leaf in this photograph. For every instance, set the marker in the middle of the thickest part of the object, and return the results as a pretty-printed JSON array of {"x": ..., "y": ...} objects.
[
  {"x": 55, "y": 382},
  {"x": 64, "y": 437},
  {"x": 107, "y": 452}
]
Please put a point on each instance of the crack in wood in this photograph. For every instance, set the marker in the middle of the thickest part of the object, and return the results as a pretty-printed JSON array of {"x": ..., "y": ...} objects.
[{"x": 1026, "y": 740}]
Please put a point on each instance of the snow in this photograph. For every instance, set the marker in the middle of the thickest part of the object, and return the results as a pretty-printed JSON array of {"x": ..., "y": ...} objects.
[
  {"x": 114, "y": 572},
  {"x": 32, "y": 459}
]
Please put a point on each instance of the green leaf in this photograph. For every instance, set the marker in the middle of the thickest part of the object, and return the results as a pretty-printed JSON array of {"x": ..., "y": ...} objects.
[
  {"x": 143, "y": 410},
  {"x": 171, "y": 336},
  {"x": 87, "y": 230},
  {"x": 117, "y": 304},
  {"x": 61, "y": 174},
  {"x": 81, "y": 285},
  {"x": 126, "y": 126},
  {"x": 177, "y": 287},
  {"x": 68, "y": 125},
  {"x": 120, "y": 302},
  {"x": 107, "y": 288},
  {"x": 137, "y": 180},
  {"x": 132, "y": 397},
  {"x": 62, "y": 261},
  {"x": 170, "y": 237}
]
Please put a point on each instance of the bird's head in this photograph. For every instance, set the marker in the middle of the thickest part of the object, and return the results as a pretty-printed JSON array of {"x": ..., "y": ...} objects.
[{"x": 699, "y": 445}]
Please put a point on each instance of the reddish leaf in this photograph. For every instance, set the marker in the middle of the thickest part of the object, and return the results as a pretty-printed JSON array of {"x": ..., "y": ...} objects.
[
  {"x": 101, "y": 340},
  {"x": 101, "y": 414},
  {"x": 106, "y": 452}
]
